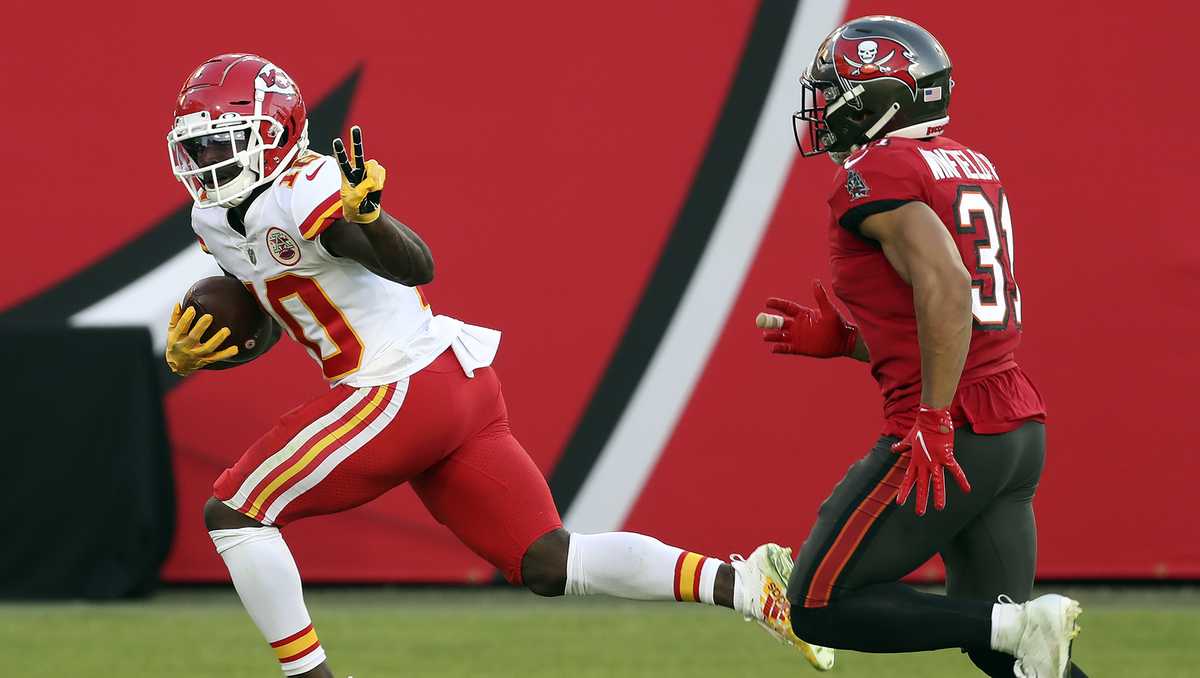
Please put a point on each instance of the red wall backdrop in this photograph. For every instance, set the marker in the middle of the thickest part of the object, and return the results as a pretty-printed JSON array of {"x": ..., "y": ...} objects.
[{"x": 544, "y": 149}]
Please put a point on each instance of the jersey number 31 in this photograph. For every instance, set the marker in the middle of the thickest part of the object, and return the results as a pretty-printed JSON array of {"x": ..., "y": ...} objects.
[{"x": 993, "y": 258}]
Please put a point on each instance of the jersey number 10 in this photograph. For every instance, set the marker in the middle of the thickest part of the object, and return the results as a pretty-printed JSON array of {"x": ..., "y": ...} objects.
[
  {"x": 347, "y": 348},
  {"x": 308, "y": 312},
  {"x": 993, "y": 257}
]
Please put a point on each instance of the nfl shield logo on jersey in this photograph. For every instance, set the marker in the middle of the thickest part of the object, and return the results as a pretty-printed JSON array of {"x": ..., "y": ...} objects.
[
  {"x": 282, "y": 247},
  {"x": 855, "y": 186}
]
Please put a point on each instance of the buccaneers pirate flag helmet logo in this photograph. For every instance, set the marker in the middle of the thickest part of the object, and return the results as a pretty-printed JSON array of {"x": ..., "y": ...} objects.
[{"x": 875, "y": 57}]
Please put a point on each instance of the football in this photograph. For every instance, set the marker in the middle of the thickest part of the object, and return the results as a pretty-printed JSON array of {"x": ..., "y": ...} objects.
[{"x": 232, "y": 306}]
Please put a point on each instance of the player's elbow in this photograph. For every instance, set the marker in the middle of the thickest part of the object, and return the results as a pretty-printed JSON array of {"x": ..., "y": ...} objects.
[
  {"x": 959, "y": 285},
  {"x": 414, "y": 268},
  {"x": 946, "y": 280},
  {"x": 956, "y": 281},
  {"x": 943, "y": 291},
  {"x": 422, "y": 270}
]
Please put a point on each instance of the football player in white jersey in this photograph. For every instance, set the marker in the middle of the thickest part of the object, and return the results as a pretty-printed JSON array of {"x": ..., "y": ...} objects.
[{"x": 413, "y": 397}]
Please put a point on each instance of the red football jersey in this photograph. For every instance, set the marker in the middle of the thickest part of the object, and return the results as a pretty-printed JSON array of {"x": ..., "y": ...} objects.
[{"x": 962, "y": 187}]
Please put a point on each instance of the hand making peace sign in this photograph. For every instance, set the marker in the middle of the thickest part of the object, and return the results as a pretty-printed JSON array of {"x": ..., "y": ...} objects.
[{"x": 362, "y": 182}]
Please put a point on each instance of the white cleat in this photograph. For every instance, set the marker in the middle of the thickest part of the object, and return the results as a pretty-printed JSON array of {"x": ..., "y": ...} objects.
[
  {"x": 1044, "y": 649},
  {"x": 763, "y": 577}
]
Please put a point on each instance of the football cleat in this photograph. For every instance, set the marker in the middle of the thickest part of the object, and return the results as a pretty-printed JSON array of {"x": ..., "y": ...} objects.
[
  {"x": 1048, "y": 628},
  {"x": 763, "y": 577}
]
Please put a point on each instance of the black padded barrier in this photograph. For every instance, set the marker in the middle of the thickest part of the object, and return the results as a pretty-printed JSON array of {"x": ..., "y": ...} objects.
[{"x": 87, "y": 507}]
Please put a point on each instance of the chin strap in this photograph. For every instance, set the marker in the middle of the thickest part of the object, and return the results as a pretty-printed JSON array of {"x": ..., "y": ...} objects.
[
  {"x": 850, "y": 95},
  {"x": 239, "y": 187},
  {"x": 920, "y": 130},
  {"x": 883, "y": 120},
  {"x": 839, "y": 157},
  {"x": 244, "y": 186}
]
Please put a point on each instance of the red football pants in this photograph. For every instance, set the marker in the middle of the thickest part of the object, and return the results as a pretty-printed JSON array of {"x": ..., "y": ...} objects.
[{"x": 445, "y": 433}]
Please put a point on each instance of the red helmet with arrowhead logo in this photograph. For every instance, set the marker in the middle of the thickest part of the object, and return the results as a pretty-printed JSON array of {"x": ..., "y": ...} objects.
[{"x": 239, "y": 123}]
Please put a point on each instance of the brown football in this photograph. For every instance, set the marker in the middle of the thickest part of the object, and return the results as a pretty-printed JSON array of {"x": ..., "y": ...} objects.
[{"x": 232, "y": 306}]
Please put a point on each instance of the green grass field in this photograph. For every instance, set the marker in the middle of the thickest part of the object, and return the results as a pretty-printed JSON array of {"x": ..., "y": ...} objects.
[{"x": 384, "y": 633}]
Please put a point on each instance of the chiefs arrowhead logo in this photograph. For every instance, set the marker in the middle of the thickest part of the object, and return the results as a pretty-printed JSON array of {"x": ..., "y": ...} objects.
[
  {"x": 272, "y": 79},
  {"x": 875, "y": 58}
]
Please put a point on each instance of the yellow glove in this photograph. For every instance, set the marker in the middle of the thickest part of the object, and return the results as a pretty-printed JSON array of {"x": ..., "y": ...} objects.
[
  {"x": 185, "y": 353},
  {"x": 362, "y": 182}
]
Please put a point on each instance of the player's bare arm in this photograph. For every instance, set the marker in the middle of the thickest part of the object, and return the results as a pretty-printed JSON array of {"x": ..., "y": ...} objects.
[
  {"x": 366, "y": 233},
  {"x": 386, "y": 247},
  {"x": 917, "y": 245}
]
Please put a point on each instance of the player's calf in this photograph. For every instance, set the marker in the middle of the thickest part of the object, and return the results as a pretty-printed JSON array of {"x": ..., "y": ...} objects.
[
  {"x": 268, "y": 583},
  {"x": 625, "y": 565},
  {"x": 634, "y": 566}
]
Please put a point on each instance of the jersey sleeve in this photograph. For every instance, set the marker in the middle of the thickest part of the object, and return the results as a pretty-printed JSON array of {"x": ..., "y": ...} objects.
[
  {"x": 316, "y": 196},
  {"x": 877, "y": 180}
]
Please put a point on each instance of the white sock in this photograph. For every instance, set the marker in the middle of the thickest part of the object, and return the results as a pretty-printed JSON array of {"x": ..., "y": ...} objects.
[
  {"x": 628, "y": 565},
  {"x": 268, "y": 583},
  {"x": 708, "y": 580},
  {"x": 1007, "y": 624}
]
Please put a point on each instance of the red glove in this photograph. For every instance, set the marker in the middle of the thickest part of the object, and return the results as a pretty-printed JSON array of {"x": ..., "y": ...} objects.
[
  {"x": 820, "y": 332},
  {"x": 930, "y": 448}
]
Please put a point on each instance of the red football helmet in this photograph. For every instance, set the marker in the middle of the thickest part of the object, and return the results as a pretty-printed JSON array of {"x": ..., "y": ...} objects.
[{"x": 239, "y": 123}]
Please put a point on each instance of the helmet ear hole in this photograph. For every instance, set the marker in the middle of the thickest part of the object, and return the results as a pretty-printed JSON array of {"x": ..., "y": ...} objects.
[{"x": 859, "y": 116}]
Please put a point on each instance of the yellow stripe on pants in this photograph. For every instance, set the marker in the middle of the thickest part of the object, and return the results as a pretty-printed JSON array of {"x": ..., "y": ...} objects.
[{"x": 315, "y": 450}]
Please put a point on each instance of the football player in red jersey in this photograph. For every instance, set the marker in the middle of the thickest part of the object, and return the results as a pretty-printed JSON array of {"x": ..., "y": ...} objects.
[
  {"x": 922, "y": 251},
  {"x": 413, "y": 397}
]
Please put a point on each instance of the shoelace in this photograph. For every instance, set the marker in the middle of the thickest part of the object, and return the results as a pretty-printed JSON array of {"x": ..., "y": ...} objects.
[
  {"x": 1019, "y": 669},
  {"x": 774, "y": 623}
]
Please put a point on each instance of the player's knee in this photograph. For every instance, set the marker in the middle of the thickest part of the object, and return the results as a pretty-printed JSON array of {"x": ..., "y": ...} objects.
[
  {"x": 544, "y": 565},
  {"x": 218, "y": 516}
]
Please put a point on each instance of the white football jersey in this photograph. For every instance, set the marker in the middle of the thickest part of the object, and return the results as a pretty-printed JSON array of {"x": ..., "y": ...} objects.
[{"x": 363, "y": 330}]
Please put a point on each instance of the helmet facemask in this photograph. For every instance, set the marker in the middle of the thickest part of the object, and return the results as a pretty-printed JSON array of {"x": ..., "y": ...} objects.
[
  {"x": 832, "y": 118},
  {"x": 221, "y": 161},
  {"x": 808, "y": 123}
]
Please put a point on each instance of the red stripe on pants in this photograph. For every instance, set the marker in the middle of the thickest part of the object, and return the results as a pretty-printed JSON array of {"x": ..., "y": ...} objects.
[{"x": 850, "y": 536}]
